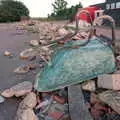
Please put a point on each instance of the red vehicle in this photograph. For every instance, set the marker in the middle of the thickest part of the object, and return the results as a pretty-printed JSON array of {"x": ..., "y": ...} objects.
[{"x": 92, "y": 11}]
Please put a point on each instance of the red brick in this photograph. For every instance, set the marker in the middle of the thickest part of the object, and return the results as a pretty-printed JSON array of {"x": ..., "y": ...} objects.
[
  {"x": 59, "y": 99},
  {"x": 56, "y": 115}
]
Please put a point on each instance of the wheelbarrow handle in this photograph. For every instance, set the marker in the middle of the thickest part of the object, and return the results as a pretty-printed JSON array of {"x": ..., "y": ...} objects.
[
  {"x": 77, "y": 26},
  {"x": 111, "y": 20},
  {"x": 77, "y": 23},
  {"x": 70, "y": 35},
  {"x": 77, "y": 29}
]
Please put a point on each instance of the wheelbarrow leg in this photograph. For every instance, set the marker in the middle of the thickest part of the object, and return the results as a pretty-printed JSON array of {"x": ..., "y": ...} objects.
[{"x": 77, "y": 107}]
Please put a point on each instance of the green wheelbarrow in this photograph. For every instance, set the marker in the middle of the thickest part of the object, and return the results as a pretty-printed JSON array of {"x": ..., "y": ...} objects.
[{"x": 78, "y": 61}]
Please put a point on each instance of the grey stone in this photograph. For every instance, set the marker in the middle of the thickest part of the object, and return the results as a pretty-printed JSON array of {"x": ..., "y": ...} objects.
[
  {"x": 20, "y": 89},
  {"x": 25, "y": 109}
]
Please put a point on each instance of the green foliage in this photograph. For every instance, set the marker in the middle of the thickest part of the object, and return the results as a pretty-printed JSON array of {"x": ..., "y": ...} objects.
[
  {"x": 64, "y": 12},
  {"x": 59, "y": 5},
  {"x": 73, "y": 10},
  {"x": 11, "y": 10}
]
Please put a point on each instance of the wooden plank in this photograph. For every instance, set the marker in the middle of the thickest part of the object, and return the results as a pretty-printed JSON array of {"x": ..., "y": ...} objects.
[{"x": 77, "y": 107}]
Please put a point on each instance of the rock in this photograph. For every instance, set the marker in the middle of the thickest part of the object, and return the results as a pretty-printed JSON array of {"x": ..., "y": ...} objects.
[
  {"x": 43, "y": 42},
  {"x": 112, "y": 98},
  {"x": 49, "y": 37},
  {"x": 22, "y": 69},
  {"x": 31, "y": 58},
  {"x": 84, "y": 34},
  {"x": 27, "y": 53},
  {"x": 89, "y": 86},
  {"x": 32, "y": 66},
  {"x": 7, "y": 53},
  {"x": 62, "y": 32},
  {"x": 45, "y": 48},
  {"x": 7, "y": 93},
  {"x": 32, "y": 29},
  {"x": 28, "y": 114},
  {"x": 76, "y": 38},
  {"x": 2, "y": 99},
  {"x": 31, "y": 23},
  {"x": 25, "y": 109},
  {"x": 20, "y": 89},
  {"x": 41, "y": 37},
  {"x": 34, "y": 43},
  {"x": 109, "y": 81},
  {"x": 29, "y": 101},
  {"x": 22, "y": 27}
]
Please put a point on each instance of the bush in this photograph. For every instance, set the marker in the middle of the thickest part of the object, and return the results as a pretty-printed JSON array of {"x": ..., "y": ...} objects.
[{"x": 11, "y": 10}]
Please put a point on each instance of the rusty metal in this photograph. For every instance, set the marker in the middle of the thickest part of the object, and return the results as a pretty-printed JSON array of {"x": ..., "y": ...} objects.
[{"x": 111, "y": 20}]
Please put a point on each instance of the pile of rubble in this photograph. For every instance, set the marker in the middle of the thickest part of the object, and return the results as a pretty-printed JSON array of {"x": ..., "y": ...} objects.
[
  {"x": 101, "y": 95},
  {"x": 43, "y": 48},
  {"x": 102, "y": 103}
]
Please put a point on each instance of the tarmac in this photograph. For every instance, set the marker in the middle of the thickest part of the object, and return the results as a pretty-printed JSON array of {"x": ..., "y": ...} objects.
[{"x": 13, "y": 41}]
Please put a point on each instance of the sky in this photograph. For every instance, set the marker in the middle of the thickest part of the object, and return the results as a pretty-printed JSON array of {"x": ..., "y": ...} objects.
[{"x": 41, "y": 8}]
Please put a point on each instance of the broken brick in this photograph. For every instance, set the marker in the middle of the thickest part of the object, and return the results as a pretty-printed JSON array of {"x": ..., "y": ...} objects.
[
  {"x": 59, "y": 99},
  {"x": 56, "y": 115}
]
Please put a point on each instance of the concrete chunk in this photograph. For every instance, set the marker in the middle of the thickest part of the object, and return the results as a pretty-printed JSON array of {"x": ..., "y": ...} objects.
[
  {"x": 89, "y": 86},
  {"x": 109, "y": 81},
  {"x": 25, "y": 109},
  {"x": 20, "y": 89},
  {"x": 112, "y": 98}
]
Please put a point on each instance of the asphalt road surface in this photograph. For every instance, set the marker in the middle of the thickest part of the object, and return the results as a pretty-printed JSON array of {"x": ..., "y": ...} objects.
[{"x": 14, "y": 41}]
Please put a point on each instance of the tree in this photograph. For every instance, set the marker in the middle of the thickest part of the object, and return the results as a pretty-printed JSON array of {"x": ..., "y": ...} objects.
[
  {"x": 73, "y": 10},
  {"x": 11, "y": 10},
  {"x": 59, "y": 5},
  {"x": 64, "y": 12}
]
